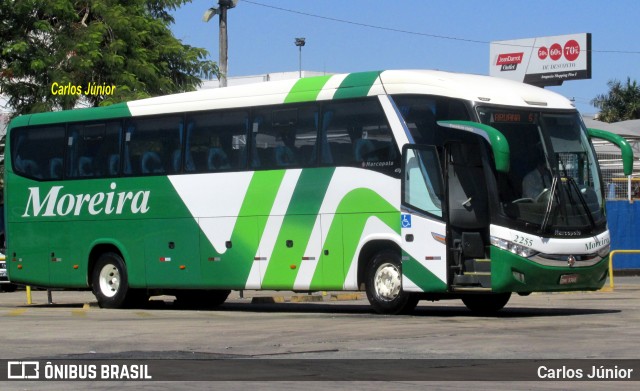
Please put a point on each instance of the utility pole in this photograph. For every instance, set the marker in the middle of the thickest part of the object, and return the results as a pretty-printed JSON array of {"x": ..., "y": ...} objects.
[{"x": 224, "y": 5}]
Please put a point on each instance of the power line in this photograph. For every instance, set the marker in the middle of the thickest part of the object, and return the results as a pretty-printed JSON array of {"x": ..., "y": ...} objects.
[
  {"x": 396, "y": 30},
  {"x": 365, "y": 24}
]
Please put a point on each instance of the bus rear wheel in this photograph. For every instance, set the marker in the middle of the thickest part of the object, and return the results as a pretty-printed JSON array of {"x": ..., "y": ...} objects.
[
  {"x": 486, "y": 304},
  {"x": 110, "y": 284},
  {"x": 384, "y": 285}
]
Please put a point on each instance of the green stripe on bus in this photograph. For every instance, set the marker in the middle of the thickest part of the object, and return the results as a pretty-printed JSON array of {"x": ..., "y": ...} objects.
[
  {"x": 422, "y": 277},
  {"x": 236, "y": 262},
  {"x": 297, "y": 226},
  {"x": 307, "y": 89},
  {"x": 259, "y": 200},
  {"x": 118, "y": 110},
  {"x": 356, "y": 85},
  {"x": 261, "y": 193},
  {"x": 345, "y": 232}
]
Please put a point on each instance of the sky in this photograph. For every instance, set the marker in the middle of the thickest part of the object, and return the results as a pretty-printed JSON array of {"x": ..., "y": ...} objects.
[{"x": 448, "y": 35}]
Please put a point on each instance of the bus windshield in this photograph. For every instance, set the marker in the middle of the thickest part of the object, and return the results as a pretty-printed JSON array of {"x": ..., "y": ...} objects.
[{"x": 553, "y": 184}]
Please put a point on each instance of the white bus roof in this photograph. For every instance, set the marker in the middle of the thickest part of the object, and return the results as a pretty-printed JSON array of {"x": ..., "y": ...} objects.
[{"x": 473, "y": 88}]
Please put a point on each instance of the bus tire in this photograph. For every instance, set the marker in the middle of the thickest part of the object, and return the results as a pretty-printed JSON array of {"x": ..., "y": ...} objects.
[
  {"x": 109, "y": 282},
  {"x": 194, "y": 298},
  {"x": 486, "y": 304},
  {"x": 384, "y": 285},
  {"x": 8, "y": 287}
]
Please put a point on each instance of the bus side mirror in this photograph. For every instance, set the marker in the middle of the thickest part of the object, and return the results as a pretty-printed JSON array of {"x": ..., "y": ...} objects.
[
  {"x": 497, "y": 140},
  {"x": 620, "y": 142}
]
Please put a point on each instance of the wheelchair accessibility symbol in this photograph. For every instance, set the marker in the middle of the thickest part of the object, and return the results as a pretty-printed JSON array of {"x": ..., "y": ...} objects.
[{"x": 406, "y": 221}]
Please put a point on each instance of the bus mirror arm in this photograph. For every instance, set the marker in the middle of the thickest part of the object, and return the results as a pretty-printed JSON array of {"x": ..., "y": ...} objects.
[
  {"x": 497, "y": 140},
  {"x": 620, "y": 142}
]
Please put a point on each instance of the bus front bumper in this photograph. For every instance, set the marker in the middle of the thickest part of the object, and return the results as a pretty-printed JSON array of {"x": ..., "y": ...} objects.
[{"x": 513, "y": 273}]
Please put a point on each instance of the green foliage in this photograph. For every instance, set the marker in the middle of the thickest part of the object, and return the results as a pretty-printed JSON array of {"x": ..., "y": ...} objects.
[
  {"x": 127, "y": 44},
  {"x": 621, "y": 103}
]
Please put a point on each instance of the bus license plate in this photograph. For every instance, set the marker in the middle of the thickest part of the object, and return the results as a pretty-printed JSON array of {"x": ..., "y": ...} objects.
[
  {"x": 568, "y": 279},
  {"x": 3, "y": 272}
]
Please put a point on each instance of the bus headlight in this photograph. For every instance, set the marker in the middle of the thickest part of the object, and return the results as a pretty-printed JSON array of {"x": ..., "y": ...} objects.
[
  {"x": 604, "y": 251},
  {"x": 513, "y": 247}
]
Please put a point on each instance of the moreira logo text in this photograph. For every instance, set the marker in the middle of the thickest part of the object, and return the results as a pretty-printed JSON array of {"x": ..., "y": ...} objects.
[{"x": 59, "y": 203}]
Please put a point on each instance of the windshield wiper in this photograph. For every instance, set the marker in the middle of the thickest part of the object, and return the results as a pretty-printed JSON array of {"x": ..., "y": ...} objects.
[
  {"x": 552, "y": 196},
  {"x": 583, "y": 202},
  {"x": 554, "y": 188},
  {"x": 574, "y": 185}
]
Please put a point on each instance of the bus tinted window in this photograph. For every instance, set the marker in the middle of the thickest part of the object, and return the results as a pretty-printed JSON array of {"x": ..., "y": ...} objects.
[
  {"x": 421, "y": 112},
  {"x": 216, "y": 141},
  {"x": 38, "y": 152},
  {"x": 152, "y": 146},
  {"x": 356, "y": 133},
  {"x": 93, "y": 150},
  {"x": 284, "y": 137}
]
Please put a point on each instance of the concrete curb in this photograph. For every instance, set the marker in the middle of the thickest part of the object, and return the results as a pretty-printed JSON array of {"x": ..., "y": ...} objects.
[{"x": 307, "y": 298}]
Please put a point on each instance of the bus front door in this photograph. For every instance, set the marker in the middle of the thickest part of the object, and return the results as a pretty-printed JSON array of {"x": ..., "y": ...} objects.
[
  {"x": 423, "y": 227},
  {"x": 467, "y": 215}
]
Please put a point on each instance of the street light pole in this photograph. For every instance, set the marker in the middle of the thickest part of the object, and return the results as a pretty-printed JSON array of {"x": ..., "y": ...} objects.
[
  {"x": 300, "y": 42},
  {"x": 223, "y": 44},
  {"x": 225, "y": 5}
]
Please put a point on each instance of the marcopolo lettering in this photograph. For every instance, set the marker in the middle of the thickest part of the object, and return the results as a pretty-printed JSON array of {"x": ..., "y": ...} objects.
[{"x": 59, "y": 203}]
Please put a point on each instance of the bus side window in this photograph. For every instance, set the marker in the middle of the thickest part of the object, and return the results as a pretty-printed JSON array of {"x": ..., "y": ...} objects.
[
  {"x": 421, "y": 113},
  {"x": 37, "y": 151},
  {"x": 285, "y": 137},
  {"x": 56, "y": 168},
  {"x": 150, "y": 145},
  {"x": 254, "y": 157},
  {"x": 92, "y": 149},
  {"x": 324, "y": 146},
  {"x": 357, "y": 134},
  {"x": 216, "y": 141},
  {"x": 113, "y": 165}
]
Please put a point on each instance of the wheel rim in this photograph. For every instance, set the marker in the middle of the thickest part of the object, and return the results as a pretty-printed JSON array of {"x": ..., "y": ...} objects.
[
  {"x": 109, "y": 280},
  {"x": 387, "y": 282}
]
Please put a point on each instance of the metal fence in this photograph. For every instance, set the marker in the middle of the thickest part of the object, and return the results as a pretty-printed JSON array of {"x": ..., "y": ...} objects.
[{"x": 615, "y": 182}]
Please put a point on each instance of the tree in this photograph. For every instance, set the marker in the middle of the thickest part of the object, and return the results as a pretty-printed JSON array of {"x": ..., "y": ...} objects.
[
  {"x": 621, "y": 103},
  {"x": 46, "y": 45}
]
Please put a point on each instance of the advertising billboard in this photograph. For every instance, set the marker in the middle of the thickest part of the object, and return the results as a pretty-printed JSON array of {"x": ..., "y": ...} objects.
[{"x": 542, "y": 61}]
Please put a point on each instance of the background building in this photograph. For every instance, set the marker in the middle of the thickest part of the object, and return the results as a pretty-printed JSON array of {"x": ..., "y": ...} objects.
[{"x": 611, "y": 161}]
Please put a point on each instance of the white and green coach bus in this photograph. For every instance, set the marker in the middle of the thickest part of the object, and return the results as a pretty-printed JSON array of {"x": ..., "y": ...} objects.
[{"x": 409, "y": 185}]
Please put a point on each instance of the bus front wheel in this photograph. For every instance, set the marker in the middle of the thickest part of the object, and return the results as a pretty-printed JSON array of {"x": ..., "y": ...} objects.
[
  {"x": 8, "y": 287},
  {"x": 109, "y": 281},
  {"x": 384, "y": 285}
]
